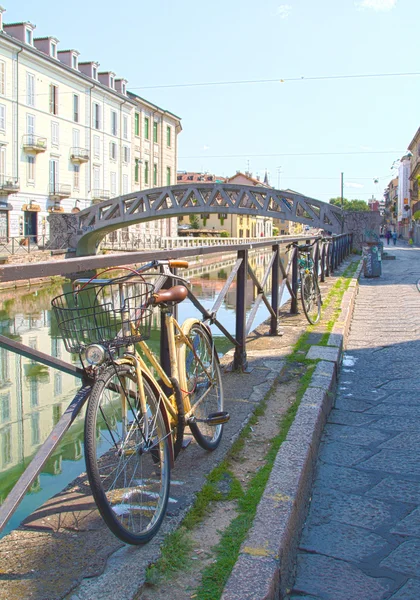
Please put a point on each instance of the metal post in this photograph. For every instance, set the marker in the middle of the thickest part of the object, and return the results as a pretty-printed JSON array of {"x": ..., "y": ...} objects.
[
  {"x": 342, "y": 201},
  {"x": 316, "y": 259},
  {"x": 332, "y": 256},
  {"x": 327, "y": 259},
  {"x": 323, "y": 259},
  {"x": 293, "y": 307},
  {"x": 275, "y": 289},
  {"x": 164, "y": 343},
  {"x": 239, "y": 359}
]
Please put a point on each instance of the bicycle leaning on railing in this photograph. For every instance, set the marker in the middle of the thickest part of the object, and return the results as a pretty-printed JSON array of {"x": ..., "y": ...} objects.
[
  {"x": 135, "y": 420},
  {"x": 308, "y": 282}
]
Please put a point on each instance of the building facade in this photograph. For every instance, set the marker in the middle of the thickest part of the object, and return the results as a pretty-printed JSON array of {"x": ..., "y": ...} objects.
[{"x": 70, "y": 134}]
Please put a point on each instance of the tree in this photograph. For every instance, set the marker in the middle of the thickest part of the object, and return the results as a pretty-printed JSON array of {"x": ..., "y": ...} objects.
[
  {"x": 350, "y": 205},
  {"x": 195, "y": 222}
]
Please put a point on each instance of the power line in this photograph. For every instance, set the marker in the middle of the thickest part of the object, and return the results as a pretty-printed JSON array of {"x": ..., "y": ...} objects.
[
  {"x": 277, "y": 80},
  {"x": 201, "y": 156}
]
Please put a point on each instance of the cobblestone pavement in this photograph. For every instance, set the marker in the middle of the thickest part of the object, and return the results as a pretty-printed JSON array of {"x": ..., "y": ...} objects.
[{"x": 361, "y": 540}]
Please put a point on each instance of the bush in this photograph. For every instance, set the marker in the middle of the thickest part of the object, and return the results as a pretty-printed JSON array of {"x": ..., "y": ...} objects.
[{"x": 224, "y": 234}]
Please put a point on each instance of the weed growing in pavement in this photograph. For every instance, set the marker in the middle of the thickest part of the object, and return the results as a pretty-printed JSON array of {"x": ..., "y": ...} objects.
[{"x": 215, "y": 576}]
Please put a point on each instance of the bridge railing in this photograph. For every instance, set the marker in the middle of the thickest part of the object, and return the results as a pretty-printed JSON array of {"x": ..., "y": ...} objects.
[{"x": 327, "y": 256}]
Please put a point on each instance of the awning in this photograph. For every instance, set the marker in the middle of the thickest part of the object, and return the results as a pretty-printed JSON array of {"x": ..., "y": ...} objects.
[
  {"x": 75, "y": 210},
  {"x": 6, "y": 206},
  {"x": 56, "y": 209},
  {"x": 31, "y": 207}
]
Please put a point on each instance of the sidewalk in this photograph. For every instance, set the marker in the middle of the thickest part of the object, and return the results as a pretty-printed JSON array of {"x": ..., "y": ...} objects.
[{"x": 361, "y": 540}]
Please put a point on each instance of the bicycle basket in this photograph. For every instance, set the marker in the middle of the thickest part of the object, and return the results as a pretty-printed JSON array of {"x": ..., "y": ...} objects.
[{"x": 114, "y": 314}]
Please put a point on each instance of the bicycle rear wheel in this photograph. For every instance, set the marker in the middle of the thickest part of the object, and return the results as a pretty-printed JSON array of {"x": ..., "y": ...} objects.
[
  {"x": 311, "y": 298},
  {"x": 127, "y": 455},
  {"x": 201, "y": 383}
]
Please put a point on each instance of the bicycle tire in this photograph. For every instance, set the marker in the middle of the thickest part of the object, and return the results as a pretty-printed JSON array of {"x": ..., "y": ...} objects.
[
  {"x": 195, "y": 383},
  {"x": 129, "y": 479},
  {"x": 311, "y": 298}
]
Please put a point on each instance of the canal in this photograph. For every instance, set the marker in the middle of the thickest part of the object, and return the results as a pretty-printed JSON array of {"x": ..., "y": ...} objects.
[{"x": 33, "y": 397}]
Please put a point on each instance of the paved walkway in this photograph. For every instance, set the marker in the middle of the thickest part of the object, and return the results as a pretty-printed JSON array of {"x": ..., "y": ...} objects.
[{"x": 361, "y": 540}]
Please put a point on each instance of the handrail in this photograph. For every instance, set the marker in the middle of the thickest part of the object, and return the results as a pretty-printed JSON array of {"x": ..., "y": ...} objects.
[{"x": 328, "y": 254}]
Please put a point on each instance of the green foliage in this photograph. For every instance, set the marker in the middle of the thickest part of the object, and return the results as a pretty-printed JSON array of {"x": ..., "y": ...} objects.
[
  {"x": 350, "y": 205},
  {"x": 275, "y": 230},
  {"x": 224, "y": 234},
  {"x": 195, "y": 222},
  {"x": 416, "y": 215}
]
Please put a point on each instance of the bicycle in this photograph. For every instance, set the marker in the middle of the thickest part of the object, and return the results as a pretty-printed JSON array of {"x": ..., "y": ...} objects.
[
  {"x": 135, "y": 420},
  {"x": 309, "y": 288}
]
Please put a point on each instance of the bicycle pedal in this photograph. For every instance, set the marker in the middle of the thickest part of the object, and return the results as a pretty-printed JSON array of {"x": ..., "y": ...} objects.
[{"x": 213, "y": 419}]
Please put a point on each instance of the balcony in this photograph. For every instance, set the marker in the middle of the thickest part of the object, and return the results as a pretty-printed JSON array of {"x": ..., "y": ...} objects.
[
  {"x": 58, "y": 191},
  {"x": 34, "y": 143},
  {"x": 100, "y": 195},
  {"x": 8, "y": 185},
  {"x": 79, "y": 155}
]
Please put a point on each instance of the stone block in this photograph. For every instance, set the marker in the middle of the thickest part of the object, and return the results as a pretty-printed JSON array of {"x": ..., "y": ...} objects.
[{"x": 328, "y": 353}]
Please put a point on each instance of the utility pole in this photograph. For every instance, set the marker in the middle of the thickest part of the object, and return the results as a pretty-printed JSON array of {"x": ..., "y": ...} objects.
[
  {"x": 278, "y": 177},
  {"x": 342, "y": 200}
]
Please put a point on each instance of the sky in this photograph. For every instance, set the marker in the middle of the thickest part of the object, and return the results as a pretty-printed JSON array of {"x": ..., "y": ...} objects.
[{"x": 321, "y": 113}]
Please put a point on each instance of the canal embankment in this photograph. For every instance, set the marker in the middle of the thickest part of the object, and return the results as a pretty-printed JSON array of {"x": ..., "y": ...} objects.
[{"x": 63, "y": 550}]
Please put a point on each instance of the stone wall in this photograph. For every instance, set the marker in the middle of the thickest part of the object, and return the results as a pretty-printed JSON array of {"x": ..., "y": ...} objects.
[
  {"x": 62, "y": 229},
  {"x": 364, "y": 225}
]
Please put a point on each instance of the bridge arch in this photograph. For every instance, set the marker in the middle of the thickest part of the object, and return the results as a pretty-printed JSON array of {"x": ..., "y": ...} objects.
[{"x": 87, "y": 228}]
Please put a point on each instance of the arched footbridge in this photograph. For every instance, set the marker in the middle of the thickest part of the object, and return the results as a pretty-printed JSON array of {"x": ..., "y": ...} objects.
[{"x": 85, "y": 230}]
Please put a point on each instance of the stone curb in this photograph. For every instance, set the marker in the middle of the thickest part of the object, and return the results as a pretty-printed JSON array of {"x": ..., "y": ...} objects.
[{"x": 266, "y": 560}]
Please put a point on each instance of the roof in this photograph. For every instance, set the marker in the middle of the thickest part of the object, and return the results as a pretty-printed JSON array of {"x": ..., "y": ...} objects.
[
  {"x": 249, "y": 177},
  {"x": 186, "y": 177},
  {"x": 132, "y": 95},
  {"x": 415, "y": 138},
  {"x": 21, "y": 23}
]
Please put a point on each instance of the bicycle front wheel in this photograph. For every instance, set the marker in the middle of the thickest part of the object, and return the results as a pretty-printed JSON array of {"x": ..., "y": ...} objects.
[
  {"x": 127, "y": 455},
  {"x": 311, "y": 298},
  {"x": 201, "y": 383}
]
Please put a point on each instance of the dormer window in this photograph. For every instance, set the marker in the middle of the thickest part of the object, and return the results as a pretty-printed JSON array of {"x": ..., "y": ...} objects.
[
  {"x": 123, "y": 89},
  {"x": 111, "y": 82},
  {"x": 53, "y": 50},
  {"x": 28, "y": 36},
  {"x": 74, "y": 61},
  {"x": 94, "y": 73}
]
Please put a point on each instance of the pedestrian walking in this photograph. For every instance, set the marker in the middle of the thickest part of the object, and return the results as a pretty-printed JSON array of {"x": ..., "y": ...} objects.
[
  {"x": 394, "y": 238},
  {"x": 388, "y": 236}
]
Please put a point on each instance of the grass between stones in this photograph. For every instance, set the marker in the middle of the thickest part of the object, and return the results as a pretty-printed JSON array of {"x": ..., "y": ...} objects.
[{"x": 176, "y": 550}]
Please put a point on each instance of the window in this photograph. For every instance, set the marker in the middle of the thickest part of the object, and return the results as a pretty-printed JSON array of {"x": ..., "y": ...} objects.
[
  {"x": 94, "y": 73},
  {"x": 2, "y": 117},
  {"x": 113, "y": 150},
  {"x": 35, "y": 433},
  {"x": 155, "y": 173},
  {"x": 33, "y": 392},
  {"x": 30, "y": 89},
  {"x": 136, "y": 124},
  {"x": 168, "y": 175},
  {"x": 76, "y": 138},
  {"x": 113, "y": 122},
  {"x": 74, "y": 61},
  {"x": 125, "y": 184},
  {"x": 53, "y": 99},
  {"x": 136, "y": 170},
  {"x": 75, "y": 108},
  {"x": 76, "y": 177},
  {"x": 53, "y": 175},
  {"x": 113, "y": 184},
  {"x": 28, "y": 36},
  {"x": 58, "y": 388},
  {"x": 111, "y": 82},
  {"x": 96, "y": 116},
  {"x": 126, "y": 154},
  {"x": 168, "y": 136},
  {"x": 146, "y": 128},
  {"x": 155, "y": 131},
  {"x": 54, "y": 133},
  {"x": 96, "y": 146},
  {"x": 2, "y": 77},
  {"x": 5, "y": 407},
  {"x": 125, "y": 127},
  {"x": 123, "y": 88},
  {"x": 146, "y": 171},
  {"x": 6, "y": 446},
  {"x": 96, "y": 179},
  {"x": 53, "y": 50},
  {"x": 30, "y": 127}
]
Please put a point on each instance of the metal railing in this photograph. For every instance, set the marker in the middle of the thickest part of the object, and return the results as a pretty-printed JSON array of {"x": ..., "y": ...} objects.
[
  {"x": 79, "y": 154},
  {"x": 101, "y": 195},
  {"x": 60, "y": 190},
  {"x": 25, "y": 244},
  {"x": 34, "y": 142},
  {"x": 8, "y": 184},
  {"x": 327, "y": 255}
]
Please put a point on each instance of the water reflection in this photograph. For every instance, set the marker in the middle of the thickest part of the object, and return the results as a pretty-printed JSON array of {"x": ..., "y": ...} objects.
[{"x": 33, "y": 397}]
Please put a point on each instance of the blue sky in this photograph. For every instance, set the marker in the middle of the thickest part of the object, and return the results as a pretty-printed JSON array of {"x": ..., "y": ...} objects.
[{"x": 271, "y": 125}]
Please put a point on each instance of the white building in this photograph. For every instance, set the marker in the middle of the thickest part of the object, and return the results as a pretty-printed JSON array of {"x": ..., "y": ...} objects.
[
  {"x": 67, "y": 133},
  {"x": 404, "y": 169}
]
